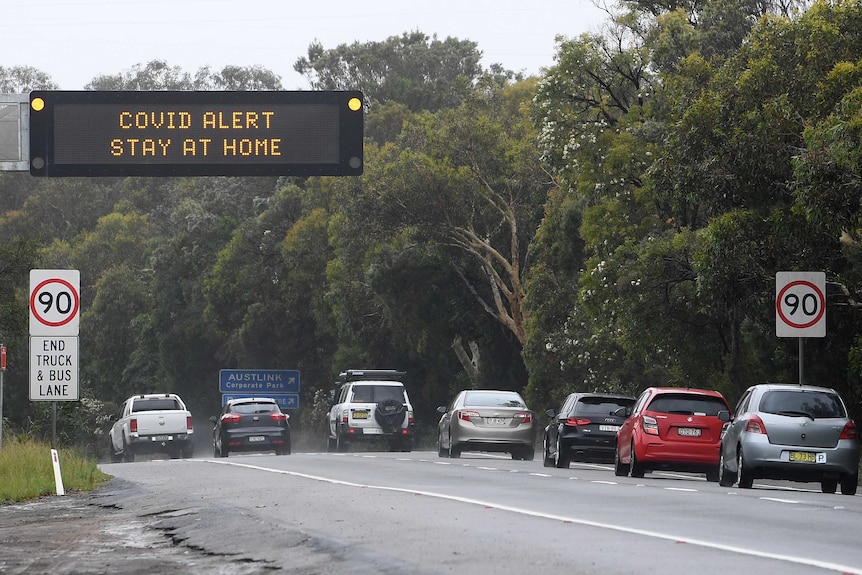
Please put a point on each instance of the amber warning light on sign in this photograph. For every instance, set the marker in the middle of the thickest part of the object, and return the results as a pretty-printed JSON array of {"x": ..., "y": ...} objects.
[{"x": 85, "y": 133}]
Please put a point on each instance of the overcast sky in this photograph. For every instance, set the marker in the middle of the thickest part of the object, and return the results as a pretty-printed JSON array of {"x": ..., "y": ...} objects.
[{"x": 76, "y": 40}]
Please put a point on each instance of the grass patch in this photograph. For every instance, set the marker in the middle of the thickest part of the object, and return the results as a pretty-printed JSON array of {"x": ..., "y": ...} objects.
[{"x": 27, "y": 471}]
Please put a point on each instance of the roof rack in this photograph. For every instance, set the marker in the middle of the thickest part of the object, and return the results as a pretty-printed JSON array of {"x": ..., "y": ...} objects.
[{"x": 371, "y": 374}]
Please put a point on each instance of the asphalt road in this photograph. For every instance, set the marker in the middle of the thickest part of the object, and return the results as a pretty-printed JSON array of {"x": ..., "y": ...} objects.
[{"x": 416, "y": 513}]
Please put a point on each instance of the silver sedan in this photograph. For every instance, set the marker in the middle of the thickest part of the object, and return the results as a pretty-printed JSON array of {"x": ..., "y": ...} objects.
[
  {"x": 792, "y": 432},
  {"x": 487, "y": 420}
]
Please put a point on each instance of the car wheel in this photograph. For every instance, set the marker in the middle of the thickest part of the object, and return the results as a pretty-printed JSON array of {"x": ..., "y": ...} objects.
[
  {"x": 330, "y": 443},
  {"x": 620, "y": 468},
  {"x": 454, "y": 450},
  {"x": 341, "y": 444},
  {"x": 725, "y": 477},
  {"x": 712, "y": 474},
  {"x": 563, "y": 457},
  {"x": 441, "y": 451},
  {"x": 547, "y": 458},
  {"x": 529, "y": 453},
  {"x": 128, "y": 454},
  {"x": 636, "y": 469},
  {"x": 524, "y": 453},
  {"x": 828, "y": 485},
  {"x": 115, "y": 457},
  {"x": 849, "y": 484},
  {"x": 216, "y": 452},
  {"x": 744, "y": 474}
]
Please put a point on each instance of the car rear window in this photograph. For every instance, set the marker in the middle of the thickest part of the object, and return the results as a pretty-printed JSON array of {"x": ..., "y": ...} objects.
[
  {"x": 494, "y": 400},
  {"x": 814, "y": 404},
  {"x": 601, "y": 405},
  {"x": 155, "y": 404},
  {"x": 377, "y": 393},
  {"x": 254, "y": 408},
  {"x": 687, "y": 404}
]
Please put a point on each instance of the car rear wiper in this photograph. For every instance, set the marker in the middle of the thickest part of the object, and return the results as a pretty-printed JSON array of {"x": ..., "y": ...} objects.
[{"x": 792, "y": 413}]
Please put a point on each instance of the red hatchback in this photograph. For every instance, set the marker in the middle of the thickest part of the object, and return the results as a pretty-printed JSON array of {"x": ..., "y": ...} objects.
[{"x": 672, "y": 428}]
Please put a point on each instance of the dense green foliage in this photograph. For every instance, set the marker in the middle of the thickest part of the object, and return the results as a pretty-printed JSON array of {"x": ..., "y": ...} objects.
[{"x": 613, "y": 224}]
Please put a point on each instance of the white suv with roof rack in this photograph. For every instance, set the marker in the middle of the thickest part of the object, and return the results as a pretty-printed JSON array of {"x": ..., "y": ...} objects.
[{"x": 370, "y": 405}]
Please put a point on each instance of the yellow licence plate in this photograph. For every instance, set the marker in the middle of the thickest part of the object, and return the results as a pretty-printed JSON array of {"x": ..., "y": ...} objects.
[
  {"x": 803, "y": 456},
  {"x": 360, "y": 415}
]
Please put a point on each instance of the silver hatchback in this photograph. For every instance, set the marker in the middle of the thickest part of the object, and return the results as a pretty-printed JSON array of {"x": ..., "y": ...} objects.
[{"x": 792, "y": 432}]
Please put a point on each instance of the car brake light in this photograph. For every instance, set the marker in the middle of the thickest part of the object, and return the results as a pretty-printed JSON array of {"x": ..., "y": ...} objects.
[
  {"x": 849, "y": 431},
  {"x": 278, "y": 416},
  {"x": 230, "y": 418},
  {"x": 576, "y": 421},
  {"x": 650, "y": 425},
  {"x": 189, "y": 425},
  {"x": 466, "y": 415},
  {"x": 755, "y": 425},
  {"x": 133, "y": 425},
  {"x": 524, "y": 416}
]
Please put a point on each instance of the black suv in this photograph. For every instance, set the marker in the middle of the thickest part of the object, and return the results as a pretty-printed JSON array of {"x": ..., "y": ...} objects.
[{"x": 584, "y": 429}]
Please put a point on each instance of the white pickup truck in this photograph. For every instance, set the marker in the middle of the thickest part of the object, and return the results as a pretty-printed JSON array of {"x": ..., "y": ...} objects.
[{"x": 151, "y": 423}]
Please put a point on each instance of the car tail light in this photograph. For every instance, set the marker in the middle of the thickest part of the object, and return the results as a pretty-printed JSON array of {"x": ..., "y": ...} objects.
[
  {"x": 849, "y": 431},
  {"x": 278, "y": 416},
  {"x": 755, "y": 425},
  {"x": 650, "y": 425},
  {"x": 189, "y": 425},
  {"x": 410, "y": 420},
  {"x": 230, "y": 418},
  {"x": 344, "y": 417},
  {"x": 466, "y": 415},
  {"x": 133, "y": 425},
  {"x": 524, "y": 416},
  {"x": 577, "y": 421}
]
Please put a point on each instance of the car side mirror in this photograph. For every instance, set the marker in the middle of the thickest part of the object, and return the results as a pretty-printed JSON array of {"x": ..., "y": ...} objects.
[
  {"x": 214, "y": 419},
  {"x": 442, "y": 409},
  {"x": 623, "y": 412},
  {"x": 724, "y": 415},
  {"x": 551, "y": 413}
]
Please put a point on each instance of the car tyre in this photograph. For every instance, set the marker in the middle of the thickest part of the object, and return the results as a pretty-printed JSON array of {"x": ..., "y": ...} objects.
[
  {"x": 620, "y": 469},
  {"x": 128, "y": 454},
  {"x": 849, "y": 484},
  {"x": 441, "y": 451},
  {"x": 330, "y": 443},
  {"x": 713, "y": 474},
  {"x": 115, "y": 457},
  {"x": 524, "y": 453},
  {"x": 341, "y": 444},
  {"x": 744, "y": 474},
  {"x": 563, "y": 457},
  {"x": 454, "y": 450},
  {"x": 636, "y": 469},
  {"x": 725, "y": 477},
  {"x": 547, "y": 458},
  {"x": 828, "y": 485}
]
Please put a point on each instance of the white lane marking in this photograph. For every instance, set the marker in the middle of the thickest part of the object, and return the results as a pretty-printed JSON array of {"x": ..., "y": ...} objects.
[
  {"x": 686, "y": 489},
  {"x": 441, "y": 463},
  {"x": 540, "y": 475},
  {"x": 486, "y": 468},
  {"x": 602, "y": 482},
  {"x": 778, "y": 500},
  {"x": 845, "y": 570}
]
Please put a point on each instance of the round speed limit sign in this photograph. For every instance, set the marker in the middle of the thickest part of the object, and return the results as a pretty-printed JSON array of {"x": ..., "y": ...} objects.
[
  {"x": 800, "y": 304},
  {"x": 55, "y": 303}
]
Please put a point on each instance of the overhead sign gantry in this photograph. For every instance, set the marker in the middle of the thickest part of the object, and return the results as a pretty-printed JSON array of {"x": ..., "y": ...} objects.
[{"x": 95, "y": 133}]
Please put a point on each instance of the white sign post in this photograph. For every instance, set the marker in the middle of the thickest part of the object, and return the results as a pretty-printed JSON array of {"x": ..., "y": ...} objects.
[
  {"x": 800, "y": 308},
  {"x": 55, "y": 311}
]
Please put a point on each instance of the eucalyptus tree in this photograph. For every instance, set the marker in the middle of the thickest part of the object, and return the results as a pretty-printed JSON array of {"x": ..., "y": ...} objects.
[{"x": 421, "y": 72}]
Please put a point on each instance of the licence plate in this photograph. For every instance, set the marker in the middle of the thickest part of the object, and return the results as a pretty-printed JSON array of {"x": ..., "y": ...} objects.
[
  {"x": 613, "y": 428},
  {"x": 360, "y": 415},
  {"x": 256, "y": 438},
  {"x": 161, "y": 438},
  {"x": 689, "y": 431},
  {"x": 495, "y": 421},
  {"x": 803, "y": 456}
]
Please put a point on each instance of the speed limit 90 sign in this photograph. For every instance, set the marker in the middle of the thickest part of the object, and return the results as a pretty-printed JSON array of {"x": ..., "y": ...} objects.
[
  {"x": 800, "y": 304},
  {"x": 55, "y": 302}
]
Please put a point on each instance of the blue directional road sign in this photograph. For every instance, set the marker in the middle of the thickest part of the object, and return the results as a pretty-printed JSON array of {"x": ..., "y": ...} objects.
[
  {"x": 284, "y": 400},
  {"x": 258, "y": 381}
]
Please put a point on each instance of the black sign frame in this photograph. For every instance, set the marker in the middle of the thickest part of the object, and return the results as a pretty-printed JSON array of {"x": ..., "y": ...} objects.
[{"x": 196, "y": 133}]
